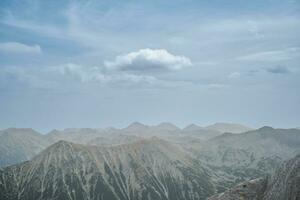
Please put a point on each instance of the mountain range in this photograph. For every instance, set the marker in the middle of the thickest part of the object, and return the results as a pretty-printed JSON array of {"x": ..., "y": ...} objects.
[
  {"x": 17, "y": 145},
  {"x": 145, "y": 162}
]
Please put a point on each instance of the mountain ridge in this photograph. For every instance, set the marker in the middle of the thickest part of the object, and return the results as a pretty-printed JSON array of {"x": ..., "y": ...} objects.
[
  {"x": 151, "y": 168},
  {"x": 228, "y": 127}
]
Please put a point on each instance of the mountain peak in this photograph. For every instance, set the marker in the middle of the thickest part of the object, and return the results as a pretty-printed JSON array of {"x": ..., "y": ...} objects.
[
  {"x": 192, "y": 127},
  {"x": 54, "y": 131},
  {"x": 266, "y": 128},
  {"x": 61, "y": 144},
  {"x": 136, "y": 125},
  {"x": 59, "y": 152},
  {"x": 229, "y": 127},
  {"x": 167, "y": 126},
  {"x": 70, "y": 170}
]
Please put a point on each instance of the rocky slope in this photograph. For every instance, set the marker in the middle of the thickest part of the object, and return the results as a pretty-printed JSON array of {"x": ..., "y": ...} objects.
[
  {"x": 197, "y": 132},
  {"x": 76, "y": 135},
  {"x": 114, "y": 140},
  {"x": 243, "y": 149},
  {"x": 18, "y": 145},
  {"x": 147, "y": 169},
  {"x": 241, "y": 157},
  {"x": 284, "y": 184}
]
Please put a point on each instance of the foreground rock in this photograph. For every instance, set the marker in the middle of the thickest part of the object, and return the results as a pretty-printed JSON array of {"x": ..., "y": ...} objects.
[{"x": 249, "y": 155}]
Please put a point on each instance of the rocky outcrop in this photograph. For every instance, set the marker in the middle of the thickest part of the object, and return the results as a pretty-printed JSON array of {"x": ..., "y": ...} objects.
[
  {"x": 284, "y": 184},
  {"x": 251, "y": 190}
]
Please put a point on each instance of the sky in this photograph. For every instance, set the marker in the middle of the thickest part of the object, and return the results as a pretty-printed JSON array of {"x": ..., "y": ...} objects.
[{"x": 88, "y": 63}]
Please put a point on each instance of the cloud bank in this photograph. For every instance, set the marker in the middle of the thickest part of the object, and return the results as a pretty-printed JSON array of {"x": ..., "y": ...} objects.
[
  {"x": 234, "y": 75},
  {"x": 131, "y": 69},
  {"x": 96, "y": 74},
  {"x": 148, "y": 60},
  {"x": 272, "y": 56},
  {"x": 15, "y": 47}
]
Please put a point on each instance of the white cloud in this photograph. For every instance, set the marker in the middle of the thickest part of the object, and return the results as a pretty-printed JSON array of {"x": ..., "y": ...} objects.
[
  {"x": 272, "y": 56},
  {"x": 234, "y": 75},
  {"x": 88, "y": 74},
  {"x": 148, "y": 60},
  {"x": 15, "y": 47}
]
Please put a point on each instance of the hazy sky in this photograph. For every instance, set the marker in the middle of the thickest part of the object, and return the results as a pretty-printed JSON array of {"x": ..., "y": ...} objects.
[{"x": 108, "y": 63}]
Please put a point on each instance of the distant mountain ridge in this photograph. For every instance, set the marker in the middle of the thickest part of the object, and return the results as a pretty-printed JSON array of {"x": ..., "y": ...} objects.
[
  {"x": 229, "y": 127},
  {"x": 16, "y": 148},
  {"x": 20, "y": 144},
  {"x": 192, "y": 127}
]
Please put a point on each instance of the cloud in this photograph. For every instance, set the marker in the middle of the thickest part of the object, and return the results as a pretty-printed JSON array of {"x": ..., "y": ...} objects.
[
  {"x": 15, "y": 47},
  {"x": 118, "y": 78},
  {"x": 234, "y": 75},
  {"x": 148, "y": 60},
  {"x": 278, "y": 70},
  {"x": 57, "y": 76},
  {"x": 96, "y": 74},
  {"x": 272, "y": 56}
]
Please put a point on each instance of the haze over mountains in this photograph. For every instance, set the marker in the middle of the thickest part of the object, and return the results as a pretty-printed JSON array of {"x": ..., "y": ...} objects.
[
  {"x": 17, "y": 145},
  {"x": 228, "y": 127},
  {"x": 22, "y": 144},
  {"x": 148, "y": 162}
]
